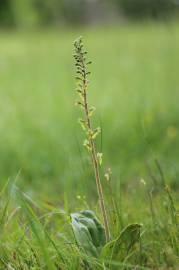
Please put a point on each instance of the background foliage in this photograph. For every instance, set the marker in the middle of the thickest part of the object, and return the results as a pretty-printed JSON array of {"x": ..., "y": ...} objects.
[
  {"x": 150, "y": 8},
  {"x": 23, "y": 13}
]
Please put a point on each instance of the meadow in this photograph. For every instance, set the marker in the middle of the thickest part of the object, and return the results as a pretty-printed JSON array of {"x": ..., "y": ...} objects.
[{"x": 45, "y": 170}]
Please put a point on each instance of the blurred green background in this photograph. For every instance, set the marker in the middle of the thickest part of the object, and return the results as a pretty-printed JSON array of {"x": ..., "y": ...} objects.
[
  {"x": 35, "y": 13},
  {"x": 134, "y": 46}
]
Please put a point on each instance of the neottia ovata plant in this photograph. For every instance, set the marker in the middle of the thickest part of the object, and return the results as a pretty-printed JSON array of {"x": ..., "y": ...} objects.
[
  {"x": 90, "y": 236},
  {"x": 82, "y": 83}
]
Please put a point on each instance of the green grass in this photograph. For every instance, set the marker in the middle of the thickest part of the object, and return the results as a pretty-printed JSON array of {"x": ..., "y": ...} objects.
[{"x": 134, "y": 85}]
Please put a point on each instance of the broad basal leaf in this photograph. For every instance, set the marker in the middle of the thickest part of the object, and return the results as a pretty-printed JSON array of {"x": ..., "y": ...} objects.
[
  {"x": 123, "y": 244},
  {"x": 88, "y": 232}
]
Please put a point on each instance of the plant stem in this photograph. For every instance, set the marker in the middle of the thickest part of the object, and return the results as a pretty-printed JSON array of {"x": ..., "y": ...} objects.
[{"x": 95, "y": 160}]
